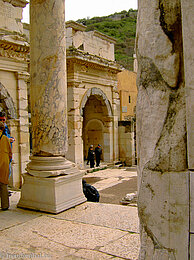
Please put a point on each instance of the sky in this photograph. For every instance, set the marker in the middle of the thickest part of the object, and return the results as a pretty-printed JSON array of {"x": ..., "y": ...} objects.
[{"x": 77, "y": 9}]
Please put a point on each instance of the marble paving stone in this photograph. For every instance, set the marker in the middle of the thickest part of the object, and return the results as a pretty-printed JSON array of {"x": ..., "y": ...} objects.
[
  {"x": 12, "y": 248},
  {"x": 110, "y": 173},
  {"x": 15, "y": 218},
  {"x": 92, "y": 254},
  {"x": 63, "y": 232},
  {"x": 107, "y": 215},
  {"x": 192, "y": 201},
  {"x": 192, "y": 247},
  {"x": 14, "y": 215},
  {"x": 126, "y": 247}
]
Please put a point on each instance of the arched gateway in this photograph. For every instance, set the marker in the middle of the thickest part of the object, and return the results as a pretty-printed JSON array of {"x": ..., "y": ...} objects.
[
  {"x": 97, "y": 122},
  {"x": 92, "y": 94}
]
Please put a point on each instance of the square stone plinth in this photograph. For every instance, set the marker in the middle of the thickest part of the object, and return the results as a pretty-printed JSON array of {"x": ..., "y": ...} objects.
[{"x": 52, "y": 194}]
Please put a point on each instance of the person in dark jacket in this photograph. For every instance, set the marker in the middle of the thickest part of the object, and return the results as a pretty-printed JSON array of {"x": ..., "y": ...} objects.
[
  {"x": 90, "y": 192},
  {"x": 98, "y": 153},
  {"x": 91, "y": 156}
]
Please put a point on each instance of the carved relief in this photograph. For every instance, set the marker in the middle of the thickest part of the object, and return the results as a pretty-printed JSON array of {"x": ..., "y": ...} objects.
[{"x": 14, "y": 51}]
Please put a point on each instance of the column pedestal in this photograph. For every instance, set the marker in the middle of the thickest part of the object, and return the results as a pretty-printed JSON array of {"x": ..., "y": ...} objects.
[{"x": 51, "y": 193}]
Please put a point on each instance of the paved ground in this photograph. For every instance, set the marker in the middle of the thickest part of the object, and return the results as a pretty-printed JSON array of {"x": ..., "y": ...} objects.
[
  {"x": 92, "y": 231},
  {"x": 113, "y": 184}
]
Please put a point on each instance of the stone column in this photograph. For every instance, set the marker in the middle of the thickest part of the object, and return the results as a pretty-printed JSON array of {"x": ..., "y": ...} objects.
[
  {"x": 108, "y": 147},
  {"x": 75, "y": 122},
  {"x": 163, "y": 195},
  {"x": 23, "y": 123},
  {"x": 116, "y": 118},
  {"x": 48, "y": 93},
  {"x": 188, "y": 50}
]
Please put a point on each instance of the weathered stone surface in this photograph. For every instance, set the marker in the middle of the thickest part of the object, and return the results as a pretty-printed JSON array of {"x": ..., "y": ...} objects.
[
  {"x": 192, "y": 247},
  {"x": 85, "y": 214},
  {"x": 192, "y": 201},
  {"x": 48, "y": 78},
  {"x": 92, "y": 255},
  {"x": 161, "y": 132},
  {"x": 126, "y": 247},
  {"x": 188, "y": 50},
  {"x": 62, "y": 232}
]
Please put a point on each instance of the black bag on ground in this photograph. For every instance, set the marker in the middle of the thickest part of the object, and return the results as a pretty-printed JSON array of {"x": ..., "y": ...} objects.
[{"x": 90, "y": 192}]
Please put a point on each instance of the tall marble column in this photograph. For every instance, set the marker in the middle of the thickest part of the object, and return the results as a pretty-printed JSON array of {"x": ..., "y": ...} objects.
[{"x": 49, "y": 114}]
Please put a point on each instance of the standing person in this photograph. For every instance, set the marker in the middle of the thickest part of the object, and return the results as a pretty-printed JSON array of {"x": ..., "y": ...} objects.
[
  {"x": 6, "y": 132},
  {"x": 5, "y": 157},
  {"x": 98, "y": 152},
  {"x": 91, "y": 156}
]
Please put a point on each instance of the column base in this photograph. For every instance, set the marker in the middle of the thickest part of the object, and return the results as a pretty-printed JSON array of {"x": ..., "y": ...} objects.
[{"x": 53, "y": 194}]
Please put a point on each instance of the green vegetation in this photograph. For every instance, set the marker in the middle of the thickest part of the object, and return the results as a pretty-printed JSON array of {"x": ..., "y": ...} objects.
[{"x": 122, "y": 27}]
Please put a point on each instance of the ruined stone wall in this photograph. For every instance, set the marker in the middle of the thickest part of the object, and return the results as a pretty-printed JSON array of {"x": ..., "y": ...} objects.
[
  {"x": 10, "y": 16},
  {"x": 13, "y": 83},
  {"x": 86, "y": 79},
  {"x": 128, "y": 93},
  {"x": 93, "y": 42},
  {"x": 163, "y": 184}
]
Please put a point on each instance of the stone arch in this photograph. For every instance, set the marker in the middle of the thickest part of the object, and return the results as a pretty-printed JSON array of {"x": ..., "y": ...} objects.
[
  {"x": 94, "y": 129},
  {"x": 97, "y": 126},
  {"x": 7, "y": 103},
  {"x": 96, "y": 92}
]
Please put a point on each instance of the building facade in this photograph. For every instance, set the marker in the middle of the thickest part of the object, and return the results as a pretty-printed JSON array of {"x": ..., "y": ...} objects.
[
  {"x": 14, "y": 60},
  {"x": 93, "y": 98}
]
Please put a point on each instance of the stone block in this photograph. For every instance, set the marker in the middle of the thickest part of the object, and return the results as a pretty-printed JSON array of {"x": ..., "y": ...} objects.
[
  {"x": 24, "y": 137},
  {"x": 23, "y": 104},
  {"x": 165, "y": 210},
  {"x": 10, "y": 17},
  {"x": 54, "y": 194}
]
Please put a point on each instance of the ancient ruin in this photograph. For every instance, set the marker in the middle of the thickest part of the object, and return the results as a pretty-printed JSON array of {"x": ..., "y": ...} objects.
[
  {"x": 165, "y": 134},
  {"x": 14, "y": 76},
  {"x": 93, "y": 98},
  {"x": 164, "y": 130}
]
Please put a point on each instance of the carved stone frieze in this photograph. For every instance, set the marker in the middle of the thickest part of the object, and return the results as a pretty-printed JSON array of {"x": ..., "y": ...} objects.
[
  {"x": 14, "y": 51},
  {"x": 80, "y": 57}
]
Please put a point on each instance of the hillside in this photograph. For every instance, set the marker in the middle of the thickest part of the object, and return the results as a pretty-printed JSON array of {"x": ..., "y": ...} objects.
[{"x": 122, "y": 27}]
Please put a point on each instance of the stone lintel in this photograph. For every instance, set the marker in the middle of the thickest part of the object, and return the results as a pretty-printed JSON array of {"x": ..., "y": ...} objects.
[{"x": 13, "y": 61}]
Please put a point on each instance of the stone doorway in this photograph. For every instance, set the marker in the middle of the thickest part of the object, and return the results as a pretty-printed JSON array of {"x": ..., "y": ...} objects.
[{"x": 95, "y": 129}]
